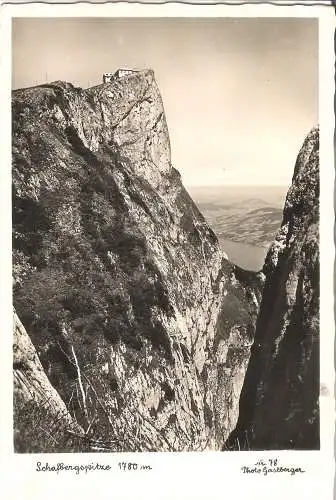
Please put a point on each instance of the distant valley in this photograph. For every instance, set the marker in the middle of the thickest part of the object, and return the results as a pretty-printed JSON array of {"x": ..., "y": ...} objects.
[{"x": 245, "y": 219}]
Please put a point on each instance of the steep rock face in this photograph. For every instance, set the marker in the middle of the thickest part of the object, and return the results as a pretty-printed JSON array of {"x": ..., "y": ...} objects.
[
  {"x": 279, "y": 405},
  {"x": 118, "y": 278},
  {"x": 38, "y": 408}
]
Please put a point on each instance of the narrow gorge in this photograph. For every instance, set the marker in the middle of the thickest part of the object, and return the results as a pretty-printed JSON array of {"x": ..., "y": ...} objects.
[{"x": 136, "y": 329}]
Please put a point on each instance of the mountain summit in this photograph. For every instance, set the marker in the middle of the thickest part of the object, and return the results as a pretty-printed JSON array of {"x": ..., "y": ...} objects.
[{"x": 141, "y": 325}]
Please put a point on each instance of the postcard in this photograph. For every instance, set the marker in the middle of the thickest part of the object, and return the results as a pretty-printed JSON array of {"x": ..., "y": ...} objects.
[{"x": 167, "y": 257}]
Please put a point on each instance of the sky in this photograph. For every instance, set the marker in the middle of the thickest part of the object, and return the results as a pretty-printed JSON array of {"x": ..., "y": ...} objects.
[{"x": 240, "y": 95}]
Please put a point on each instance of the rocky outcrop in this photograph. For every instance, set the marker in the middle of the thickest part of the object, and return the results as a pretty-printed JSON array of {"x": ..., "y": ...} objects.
[
  {"x": 279, "y": 406},
  {"x": 41, "y": 419},
  {"x": 140, "y": 323}
]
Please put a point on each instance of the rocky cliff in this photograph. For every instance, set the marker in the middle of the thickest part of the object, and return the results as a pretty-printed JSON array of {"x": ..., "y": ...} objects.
[
  {"x": 141, "y": 325},
  {"x": 279, "y": 406}
]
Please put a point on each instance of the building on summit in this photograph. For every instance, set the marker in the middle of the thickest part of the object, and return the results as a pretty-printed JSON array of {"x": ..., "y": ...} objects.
[{"x": 120, "y": 73}]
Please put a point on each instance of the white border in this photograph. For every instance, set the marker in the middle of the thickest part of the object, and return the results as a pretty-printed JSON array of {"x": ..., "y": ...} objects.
[{"x": 176, "y": 475}]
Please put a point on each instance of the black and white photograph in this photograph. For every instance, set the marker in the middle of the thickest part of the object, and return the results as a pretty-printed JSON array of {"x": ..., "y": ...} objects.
[{"x": 165, "y": 251}]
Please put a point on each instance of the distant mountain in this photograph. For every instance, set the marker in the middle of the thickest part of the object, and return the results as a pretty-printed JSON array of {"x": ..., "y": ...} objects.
[
  {"x": 252, "y": 221},
  {"x": 254, "y": 227},
  {"x": 222, "y": 205},
  {"x": 229, "y": 195},
  {"x": 249, "y": 203}
]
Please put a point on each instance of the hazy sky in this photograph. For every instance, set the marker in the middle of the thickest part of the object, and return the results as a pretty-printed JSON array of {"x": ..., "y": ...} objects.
[{"x": 239, "y": 94}]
